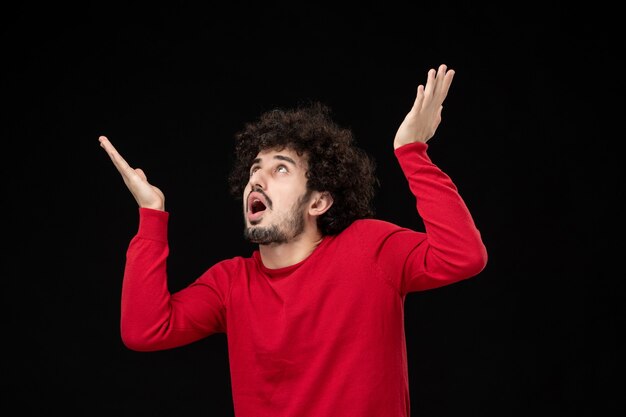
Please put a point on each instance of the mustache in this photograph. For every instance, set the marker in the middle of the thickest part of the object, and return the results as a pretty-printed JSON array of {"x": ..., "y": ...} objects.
[{"x": 260, "y": 191}]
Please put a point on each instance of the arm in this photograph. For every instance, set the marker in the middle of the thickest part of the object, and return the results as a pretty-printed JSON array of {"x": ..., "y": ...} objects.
[
  {"x": 451, "y": 249},
  {"x": 151, "y": 317}
]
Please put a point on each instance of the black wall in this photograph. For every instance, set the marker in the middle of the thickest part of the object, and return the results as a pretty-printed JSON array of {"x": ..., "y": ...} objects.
[{"x": 527, "y": 136}]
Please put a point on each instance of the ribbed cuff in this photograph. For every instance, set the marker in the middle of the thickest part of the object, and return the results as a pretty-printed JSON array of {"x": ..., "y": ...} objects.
[{"x": 153, "y": 224}]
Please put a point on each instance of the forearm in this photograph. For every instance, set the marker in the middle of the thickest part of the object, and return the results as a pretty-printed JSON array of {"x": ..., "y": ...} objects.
[
  {"x": 148, "y": 319},
  {"x": 454, "y": 244}
]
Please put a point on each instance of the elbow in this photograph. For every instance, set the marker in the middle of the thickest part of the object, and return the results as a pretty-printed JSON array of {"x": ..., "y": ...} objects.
[
  {"x": 134, "y": 340},
  {"x": 478, "y": 265},
  {"x": 132, "y": 343},
  {"x": 439, "y": 271},
  {"x": 475, "y": 263},
  {"x": 470, "y": 264}
]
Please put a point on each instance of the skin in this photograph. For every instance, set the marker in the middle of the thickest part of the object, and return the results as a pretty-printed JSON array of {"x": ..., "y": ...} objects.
[
  {"x": 422, "y": 121},
  {"x": 280, "y": 175}
]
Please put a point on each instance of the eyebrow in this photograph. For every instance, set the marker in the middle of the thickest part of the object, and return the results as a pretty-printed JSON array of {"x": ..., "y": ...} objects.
[{"x": 279, "y": 157}]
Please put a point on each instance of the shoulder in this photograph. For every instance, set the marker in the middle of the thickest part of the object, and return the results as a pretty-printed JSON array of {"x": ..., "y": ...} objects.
[
  {"x": 375, "y": 232},
  {"x": 372, "y": 226},
  {"x": 231, "y": 266},
  {"x": 370, "y": 230}
]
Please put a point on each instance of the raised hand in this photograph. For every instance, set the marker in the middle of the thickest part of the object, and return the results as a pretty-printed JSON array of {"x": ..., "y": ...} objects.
[
  {"x": 420, "y": 124},
  {"x": 146, "y": 195}
]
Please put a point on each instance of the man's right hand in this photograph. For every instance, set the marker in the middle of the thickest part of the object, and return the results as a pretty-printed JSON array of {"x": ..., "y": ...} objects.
[{"x": 146, "y": 195}]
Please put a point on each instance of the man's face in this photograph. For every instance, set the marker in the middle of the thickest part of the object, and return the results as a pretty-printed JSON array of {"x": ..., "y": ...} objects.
[{"x": 276, "y": 197}]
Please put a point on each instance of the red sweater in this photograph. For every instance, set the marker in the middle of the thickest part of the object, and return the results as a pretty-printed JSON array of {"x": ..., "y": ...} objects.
[{"x": 321, "y": 338}]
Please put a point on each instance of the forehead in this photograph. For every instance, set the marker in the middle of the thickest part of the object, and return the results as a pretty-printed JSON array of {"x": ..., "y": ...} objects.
[{"x": 268, "y": 155}]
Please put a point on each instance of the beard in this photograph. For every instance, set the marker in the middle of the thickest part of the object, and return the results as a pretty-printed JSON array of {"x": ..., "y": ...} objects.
[{"x": 286, "y": 228}]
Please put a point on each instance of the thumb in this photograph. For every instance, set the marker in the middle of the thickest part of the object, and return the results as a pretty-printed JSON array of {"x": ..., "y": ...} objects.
[{"x": 141, "y": 174}]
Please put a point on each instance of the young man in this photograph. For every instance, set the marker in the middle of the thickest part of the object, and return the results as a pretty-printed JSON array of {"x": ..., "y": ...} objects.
[{"x": 314, "y": 317}]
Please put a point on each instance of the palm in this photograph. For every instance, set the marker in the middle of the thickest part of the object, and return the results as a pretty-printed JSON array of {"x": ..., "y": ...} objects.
[
  {"x": 146, "y": 194},
  {"x": 420, "y": 124}
]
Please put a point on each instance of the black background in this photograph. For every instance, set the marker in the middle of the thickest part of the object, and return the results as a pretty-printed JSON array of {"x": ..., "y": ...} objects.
[{"x": 530, "y": 135}]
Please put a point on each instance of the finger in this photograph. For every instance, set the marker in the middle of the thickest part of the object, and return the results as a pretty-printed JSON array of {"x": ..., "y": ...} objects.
[
  {"x": 430, "y": 82},
  {"x": 445, "y": 86},
  {"x": 119, "y": 162},
  {"x": 419, "y": 98},
  {"x": 441, "y": 72}
]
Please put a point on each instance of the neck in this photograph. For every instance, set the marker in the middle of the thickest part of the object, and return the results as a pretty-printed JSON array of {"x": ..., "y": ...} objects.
[{"x": 280, "y": 255}]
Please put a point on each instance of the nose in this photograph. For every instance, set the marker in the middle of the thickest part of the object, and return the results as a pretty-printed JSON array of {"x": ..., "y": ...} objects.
[{"x": 258, "y": 179}]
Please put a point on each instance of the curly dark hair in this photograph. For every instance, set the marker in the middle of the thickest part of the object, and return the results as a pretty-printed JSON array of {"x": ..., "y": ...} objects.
[{"x": 335, "y": 164}]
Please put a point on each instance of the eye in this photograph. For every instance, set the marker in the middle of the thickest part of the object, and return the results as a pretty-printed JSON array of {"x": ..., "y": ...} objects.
[
  {"x": 282, "y": 169},
  {"x": 253, "y": 170}
]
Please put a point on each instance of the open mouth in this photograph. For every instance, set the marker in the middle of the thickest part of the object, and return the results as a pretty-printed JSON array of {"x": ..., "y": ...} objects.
[{"x": 256, "y": 206}]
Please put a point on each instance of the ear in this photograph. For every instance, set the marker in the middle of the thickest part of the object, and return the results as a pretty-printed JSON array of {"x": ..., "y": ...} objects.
[{"x": 320, "y": 203}]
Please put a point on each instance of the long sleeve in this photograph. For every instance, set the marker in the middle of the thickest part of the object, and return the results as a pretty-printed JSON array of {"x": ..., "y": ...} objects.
[
  {"x": 451, "y": 249},
  {"x": 151, "y": 317}
]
